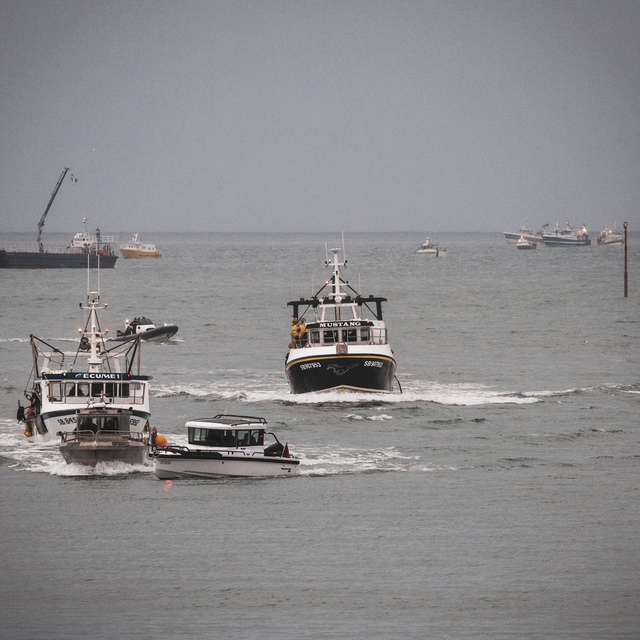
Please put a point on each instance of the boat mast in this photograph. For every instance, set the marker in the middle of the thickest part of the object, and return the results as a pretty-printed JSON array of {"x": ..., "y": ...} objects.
[
  {"x": 44, "y": 215},
  {"x": 92, "y": 327}
]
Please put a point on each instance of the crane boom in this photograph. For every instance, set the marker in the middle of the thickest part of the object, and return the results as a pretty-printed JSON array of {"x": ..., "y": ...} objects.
[{"x": 44, "y": 215}]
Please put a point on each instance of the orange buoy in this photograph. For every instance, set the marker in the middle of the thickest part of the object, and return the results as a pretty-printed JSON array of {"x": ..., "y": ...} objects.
[{"x": 161, "y": 441}]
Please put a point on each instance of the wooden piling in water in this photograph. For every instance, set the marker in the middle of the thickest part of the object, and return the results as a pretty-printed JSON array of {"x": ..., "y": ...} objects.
[{"x": 625, "y": 259}]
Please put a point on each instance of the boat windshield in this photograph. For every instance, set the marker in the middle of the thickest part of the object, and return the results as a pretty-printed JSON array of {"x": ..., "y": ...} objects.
[{"x": 226, "y": 437}]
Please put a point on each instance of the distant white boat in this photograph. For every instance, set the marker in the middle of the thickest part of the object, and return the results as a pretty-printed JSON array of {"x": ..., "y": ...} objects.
[
  {"x": 432, "y": 249},
  {"x": 611, "y": 236},
  {"x": 531, "y": 236},
  {"x": 523, "y": 243}
]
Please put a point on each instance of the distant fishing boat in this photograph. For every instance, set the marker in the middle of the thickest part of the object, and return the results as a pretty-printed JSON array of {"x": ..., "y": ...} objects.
[
  {"x": 567, "y": 237},
  {"x": 611, "y": 236},
  {"x": 432, "y": 249},
  {"x": 135, "y": 249},
  {"x": 529, "y": 235}
]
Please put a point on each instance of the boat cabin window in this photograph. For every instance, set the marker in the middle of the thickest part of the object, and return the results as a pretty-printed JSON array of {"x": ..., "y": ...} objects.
[
  {"x": 104, "y": 423},
  {"x": 136, "y": 393},
  {"x": 349, "y": 335},
  {"x": 330, "y": 336},
  {"x": 55, "y": 391},
  {"x": 133, "y": 392},
  {"x": 226, "y": 437},
  {"x": 352, "y": 335},
  {"x": 72, "y": 390},
  {"x": 110, "y": 390}
]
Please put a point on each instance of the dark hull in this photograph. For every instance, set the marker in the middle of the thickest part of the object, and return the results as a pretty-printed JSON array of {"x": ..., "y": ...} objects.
[
  {"x": 44, "y": 260},
  {"x": 362, "y": 372},
  {"x": 159, "y": 334},
  {"x": 559, "y": 241}
]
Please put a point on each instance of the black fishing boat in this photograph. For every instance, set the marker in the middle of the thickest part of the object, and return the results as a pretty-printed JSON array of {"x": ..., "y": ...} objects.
[{"x": 339, "y": 340}]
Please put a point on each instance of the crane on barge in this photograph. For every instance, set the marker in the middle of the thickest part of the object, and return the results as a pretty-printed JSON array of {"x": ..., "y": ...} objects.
[{"x": 44, "y": 215}]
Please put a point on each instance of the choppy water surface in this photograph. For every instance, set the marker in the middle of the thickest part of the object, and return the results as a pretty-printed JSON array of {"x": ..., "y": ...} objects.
[{"x": 496, "y": 497}]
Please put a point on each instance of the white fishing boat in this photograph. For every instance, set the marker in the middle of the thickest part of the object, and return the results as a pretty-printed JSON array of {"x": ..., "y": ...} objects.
[
  {"x": 530, "y": 235},
  {"x": 611, "y": 237},
  {"x": 567, "y": 237},
  {"x": 136, "y": 249},
  {"x": 432, "y": 249},
  {"x": 91, "y": 376},
  {"x": 339, "y": 339},
  {"x": 225, "y": 445},
  {"x": 523, "y": 243},
  {"x": 103, "y": 434},
  {"x": 147, "y": 331}
]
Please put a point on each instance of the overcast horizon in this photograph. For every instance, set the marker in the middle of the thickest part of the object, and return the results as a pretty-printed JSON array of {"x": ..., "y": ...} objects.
[{"x": 316, "y": 116}]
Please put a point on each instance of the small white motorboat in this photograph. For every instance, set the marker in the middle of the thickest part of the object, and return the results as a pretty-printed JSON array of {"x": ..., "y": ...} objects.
[
  {"x": 225, "y": 445},
  {"x": 523, "y": 243},
  {"x": 432, "y": 249}
]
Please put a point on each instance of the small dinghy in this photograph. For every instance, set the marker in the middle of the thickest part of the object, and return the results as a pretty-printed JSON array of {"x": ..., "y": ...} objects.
[
  {"x": 147, "y": 331},
  {"x": 225, "y": 445}
]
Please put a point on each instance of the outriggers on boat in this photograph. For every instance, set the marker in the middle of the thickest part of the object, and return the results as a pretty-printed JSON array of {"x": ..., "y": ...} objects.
[
  {"x": 225, "y": 445},
  {"x": 91, "y": 377},
  {"x": 339, "y": 339}
]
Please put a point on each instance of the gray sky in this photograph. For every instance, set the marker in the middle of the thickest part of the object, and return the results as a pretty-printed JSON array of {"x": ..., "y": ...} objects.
[{"x": 282, "y": 115}]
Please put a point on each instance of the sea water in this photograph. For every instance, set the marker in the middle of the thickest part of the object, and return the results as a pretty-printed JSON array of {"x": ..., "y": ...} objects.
[{"x": 497, "y": 496}]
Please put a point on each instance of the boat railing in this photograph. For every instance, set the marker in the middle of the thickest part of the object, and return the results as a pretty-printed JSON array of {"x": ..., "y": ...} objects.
[{"x": 86, "y": 435}]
